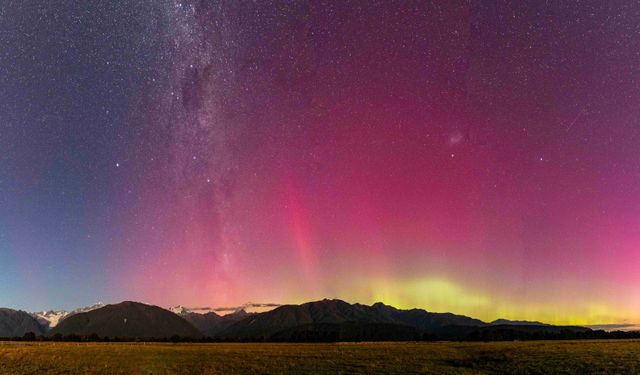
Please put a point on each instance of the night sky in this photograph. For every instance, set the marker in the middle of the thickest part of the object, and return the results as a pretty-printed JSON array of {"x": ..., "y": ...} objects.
[{"x": 477, "y": 157}]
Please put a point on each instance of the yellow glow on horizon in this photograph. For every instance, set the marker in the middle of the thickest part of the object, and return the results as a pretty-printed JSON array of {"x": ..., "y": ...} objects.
[{"x": 440, "y": 294}]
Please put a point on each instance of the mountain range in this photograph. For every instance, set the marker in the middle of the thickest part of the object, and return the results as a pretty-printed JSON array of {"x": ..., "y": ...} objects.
[
  {"x": 326, "y": 317},
  {"x": 248, "y": 307},
  {"x": 326, "y": 320}
]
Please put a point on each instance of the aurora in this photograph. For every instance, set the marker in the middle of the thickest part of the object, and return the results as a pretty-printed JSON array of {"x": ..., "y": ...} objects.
[{"x": 475, "y": 158}]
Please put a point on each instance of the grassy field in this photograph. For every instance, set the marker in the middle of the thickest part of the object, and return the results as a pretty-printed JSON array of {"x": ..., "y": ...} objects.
[{"x": 568, "y": 357}]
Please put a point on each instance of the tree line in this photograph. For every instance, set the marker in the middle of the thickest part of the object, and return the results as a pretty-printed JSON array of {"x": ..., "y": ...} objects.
[{"x": 478, "y": 335}]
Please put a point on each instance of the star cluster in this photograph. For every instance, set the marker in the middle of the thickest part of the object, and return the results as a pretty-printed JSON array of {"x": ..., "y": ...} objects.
[{"x": 471, "y": 157}]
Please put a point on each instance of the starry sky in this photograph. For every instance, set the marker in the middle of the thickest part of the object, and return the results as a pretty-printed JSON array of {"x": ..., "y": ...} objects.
[{"x": 479, "y": 157}]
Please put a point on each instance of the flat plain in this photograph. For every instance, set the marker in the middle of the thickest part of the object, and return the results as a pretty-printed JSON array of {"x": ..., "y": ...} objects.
[{"x": 530, "y": 357}]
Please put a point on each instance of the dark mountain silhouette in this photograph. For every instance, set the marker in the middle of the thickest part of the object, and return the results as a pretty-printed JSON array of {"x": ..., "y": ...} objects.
[
  {"x": 326, "y": 320},
  {"x": 336, "y": 320},
  {"x": 15, "y": 323},
  {"x": 127, "y": 320},
  {"x": 429, "y": 322},
  {"x": 287, "y": 320},
  {"x": 210, "y": 324}
]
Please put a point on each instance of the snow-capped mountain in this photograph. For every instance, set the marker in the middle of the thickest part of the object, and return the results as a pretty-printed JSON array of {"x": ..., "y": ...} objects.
[
  {"x": 179, "y": 309},
  {"x": 51, "y": 318},
  {"x": 249, "y": 307}
]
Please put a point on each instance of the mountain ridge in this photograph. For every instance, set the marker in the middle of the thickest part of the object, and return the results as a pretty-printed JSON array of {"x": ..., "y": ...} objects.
[
  {"x": 323, "y": 320},
  {"x": 329, "y": 312},
  {"x": 127, "y": 319}
]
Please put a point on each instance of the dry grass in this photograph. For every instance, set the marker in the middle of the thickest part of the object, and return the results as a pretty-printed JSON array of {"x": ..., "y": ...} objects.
[{"x": 621, "y": 356}]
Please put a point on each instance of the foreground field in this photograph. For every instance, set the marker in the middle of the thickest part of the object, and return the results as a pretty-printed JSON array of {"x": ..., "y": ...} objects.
[{"x": 367, "y": 358}]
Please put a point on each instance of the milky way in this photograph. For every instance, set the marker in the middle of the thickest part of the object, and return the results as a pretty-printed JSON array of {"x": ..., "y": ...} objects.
[{"x": 471, "y": 157}]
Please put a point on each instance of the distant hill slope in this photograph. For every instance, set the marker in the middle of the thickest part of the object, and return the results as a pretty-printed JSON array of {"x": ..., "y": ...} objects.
[
  {"x": 127, "y": 320},
  {"x": 351, "y": 331},
  {"x": 511, "y": 332},
  {"x": 499, "y": 322},
  {"x": 328, "y": 314},
  {"x": 15, "y": 323},
  {"x": 211, "y": 324}
]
